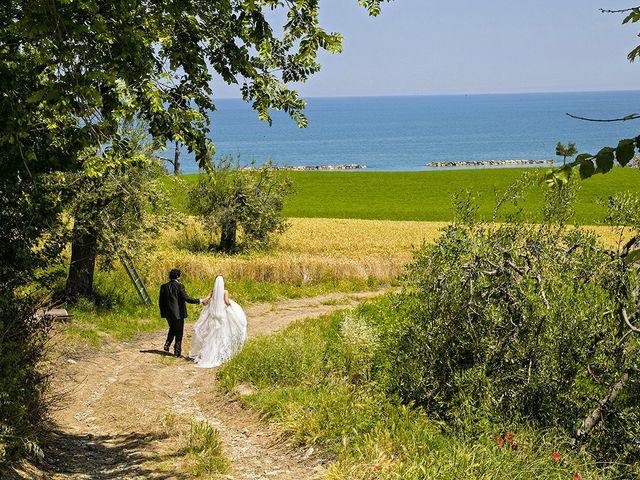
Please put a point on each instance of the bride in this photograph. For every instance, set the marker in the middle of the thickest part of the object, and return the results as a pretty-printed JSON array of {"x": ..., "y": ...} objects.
[{"x": 220, "y": 331}]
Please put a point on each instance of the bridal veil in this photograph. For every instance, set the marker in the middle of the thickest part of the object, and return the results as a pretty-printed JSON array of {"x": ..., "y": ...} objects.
[{"x": 220, "y": 331}]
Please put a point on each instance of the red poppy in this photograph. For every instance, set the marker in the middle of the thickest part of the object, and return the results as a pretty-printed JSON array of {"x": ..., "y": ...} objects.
[
  {"x": 509, "y": 436},
  {"x": 378, "y": 467},
  {"x": 500, "y": 441},
  {"x": 555, "y": 456},
  {"x": 577, "y": 476},
  {"x": 514, "y": 446}
]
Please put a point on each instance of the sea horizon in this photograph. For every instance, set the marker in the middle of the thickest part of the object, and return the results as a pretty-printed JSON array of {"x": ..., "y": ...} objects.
[
  {"x": 406, "y": 132},
  {"x": 537, "y": 92}
]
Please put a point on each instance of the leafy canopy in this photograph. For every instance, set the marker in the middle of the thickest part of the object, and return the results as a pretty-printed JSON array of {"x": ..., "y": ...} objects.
[
  {"x": 72, "y": 71},
  {"x": 566, "y": 151}
]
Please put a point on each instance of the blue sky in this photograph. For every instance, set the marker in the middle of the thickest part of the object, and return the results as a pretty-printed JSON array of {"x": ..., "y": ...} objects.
[{"x": 423, "y": 47}]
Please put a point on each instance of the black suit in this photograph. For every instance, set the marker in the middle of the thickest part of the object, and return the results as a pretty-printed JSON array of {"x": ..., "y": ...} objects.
[{"x": 173, "y": 306}]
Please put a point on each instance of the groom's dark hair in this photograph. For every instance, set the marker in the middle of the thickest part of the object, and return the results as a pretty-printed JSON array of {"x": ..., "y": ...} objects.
[{"x": 174, "y": 274}]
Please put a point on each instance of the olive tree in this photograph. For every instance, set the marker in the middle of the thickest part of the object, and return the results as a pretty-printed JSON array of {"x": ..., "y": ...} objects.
[
  {"x": 250, "y": 200},
  {"x": 119, "y": 212}
]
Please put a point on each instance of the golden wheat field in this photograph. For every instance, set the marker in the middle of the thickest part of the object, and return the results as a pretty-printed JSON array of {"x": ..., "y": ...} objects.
[{"x": 312, "y": 250}]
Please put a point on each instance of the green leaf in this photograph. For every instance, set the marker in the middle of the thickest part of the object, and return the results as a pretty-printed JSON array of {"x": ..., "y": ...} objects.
[
  {"x": 35, "y": 97},
  {"x": 587, "y": 169},
  {"x": 604, "y": 161},
  {"x": 582, "y": 157},
  {"x": 606, "y": 151},
  {"x": 625, "y": 151},
  {"x": 557, "y": 177}
]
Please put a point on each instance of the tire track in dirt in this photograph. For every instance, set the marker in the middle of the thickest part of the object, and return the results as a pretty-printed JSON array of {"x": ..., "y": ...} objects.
[{"x": 127, "y": 408}]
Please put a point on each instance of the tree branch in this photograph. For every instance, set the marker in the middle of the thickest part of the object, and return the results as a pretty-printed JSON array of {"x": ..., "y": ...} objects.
[
  {"x": 633, "y": 116},
  {"x": 624, "y": 10},
  {"x": 633, "y": 328},
  {"x": 596, "y": 415}
]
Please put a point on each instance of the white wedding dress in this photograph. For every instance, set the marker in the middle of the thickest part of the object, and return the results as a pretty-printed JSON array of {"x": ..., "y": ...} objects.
[{"x": 220, "y": 331}]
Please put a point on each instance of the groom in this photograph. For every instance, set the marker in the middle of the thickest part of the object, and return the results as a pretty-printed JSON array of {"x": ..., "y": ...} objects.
[{"x": 173, "y": 300}]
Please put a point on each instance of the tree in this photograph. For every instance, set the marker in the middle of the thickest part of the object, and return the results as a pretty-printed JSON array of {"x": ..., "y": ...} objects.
[
  {"x": 564, "y": 152},
  {"x": 71, "y": 73},
  {"x": 176, "y": 159},
  {"x": 231, "y": 198},
  {"x": 113, "y": 214}
]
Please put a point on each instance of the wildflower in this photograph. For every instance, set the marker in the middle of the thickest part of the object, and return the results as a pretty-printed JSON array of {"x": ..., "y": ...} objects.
[
  {"x": 555, "y": 456},
  {"x": 378, "y": 467},
  {"x": 577, "y": 476},
  {"x": 389, "y": 467},
  {"x": 514, "y": 446},
  {"x": 509, "y": 436},
  {"x": 500, "y": 441}
]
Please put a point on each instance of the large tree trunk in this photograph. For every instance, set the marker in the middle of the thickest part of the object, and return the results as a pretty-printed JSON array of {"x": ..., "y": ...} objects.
[
  {"x": 228, "y": 236},
  {"x": 83, "y": 262}
]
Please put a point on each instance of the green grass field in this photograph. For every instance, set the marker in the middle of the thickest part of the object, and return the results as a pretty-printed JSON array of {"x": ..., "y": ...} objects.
[{"x": 425, "y": 196}]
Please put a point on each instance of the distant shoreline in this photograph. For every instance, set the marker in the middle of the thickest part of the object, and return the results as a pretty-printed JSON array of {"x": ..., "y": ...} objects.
[
  {"x": 346, "y": 166},
  {"x": 488, "y": 163}
]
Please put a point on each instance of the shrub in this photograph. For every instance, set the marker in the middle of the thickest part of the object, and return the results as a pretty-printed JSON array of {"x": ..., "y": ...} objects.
[
  {"x": 518, "y": 323},
  {"x": 23, "y": 384}
]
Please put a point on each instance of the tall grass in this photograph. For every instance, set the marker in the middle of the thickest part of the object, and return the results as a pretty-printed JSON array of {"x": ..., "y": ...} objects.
[
  {"x": 310, "y": 251},
  {"x": 303, "y": 380}
]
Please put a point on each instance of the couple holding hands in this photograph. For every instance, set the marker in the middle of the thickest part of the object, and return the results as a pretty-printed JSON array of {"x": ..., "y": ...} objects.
[{"x": 220, "y": 330}]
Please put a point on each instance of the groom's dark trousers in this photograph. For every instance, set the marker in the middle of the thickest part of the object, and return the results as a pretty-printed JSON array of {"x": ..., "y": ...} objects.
[{"x": 172, "y": 302}]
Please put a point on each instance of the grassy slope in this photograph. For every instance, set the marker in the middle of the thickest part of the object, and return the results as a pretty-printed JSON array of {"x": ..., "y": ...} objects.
[
  {"x": 300, "y": 379},
  {"x": 424, "y": 196}
]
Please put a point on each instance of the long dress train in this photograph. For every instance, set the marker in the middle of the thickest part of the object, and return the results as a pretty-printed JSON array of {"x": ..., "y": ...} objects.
[{"x": 220, "y": 331}]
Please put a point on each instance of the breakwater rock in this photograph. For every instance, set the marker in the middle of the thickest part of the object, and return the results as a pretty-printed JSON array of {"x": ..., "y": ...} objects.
[
  {"x": 348, "y": 166},
  {"x": 489, "y": 163}
]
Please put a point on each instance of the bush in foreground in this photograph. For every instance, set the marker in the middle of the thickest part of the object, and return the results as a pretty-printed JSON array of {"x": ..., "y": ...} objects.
[
  {"x": 302, "y": 379},
  {"x": 522, "y": 323}
]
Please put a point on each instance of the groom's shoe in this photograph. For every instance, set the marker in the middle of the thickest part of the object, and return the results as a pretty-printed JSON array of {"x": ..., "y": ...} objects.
[
  {"x": 178, "y": 353},
  {"x": 166, "y": 347}
]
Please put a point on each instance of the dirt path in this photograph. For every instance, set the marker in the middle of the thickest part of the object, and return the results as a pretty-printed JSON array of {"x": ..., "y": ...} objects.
[{"x": 127, "y": 408}]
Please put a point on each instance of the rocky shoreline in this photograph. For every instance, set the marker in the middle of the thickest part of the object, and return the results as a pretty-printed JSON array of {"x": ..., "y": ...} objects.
[
  {"x": 489, "y": 163},
  {"x": 347, "y": 166}
]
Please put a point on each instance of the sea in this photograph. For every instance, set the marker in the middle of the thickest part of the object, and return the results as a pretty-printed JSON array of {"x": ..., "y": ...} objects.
[{"x": 406, "y": 133}]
